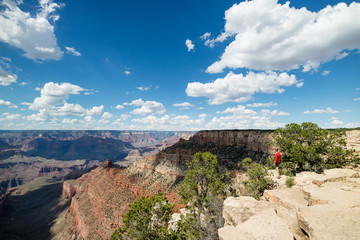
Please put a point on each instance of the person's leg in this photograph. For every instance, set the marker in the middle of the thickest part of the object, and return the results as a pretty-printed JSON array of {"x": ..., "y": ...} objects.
[{"x": 277, "y": 170}]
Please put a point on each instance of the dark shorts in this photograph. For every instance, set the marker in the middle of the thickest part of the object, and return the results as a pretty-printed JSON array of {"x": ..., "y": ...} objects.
[{"x": 277, "y": 164}]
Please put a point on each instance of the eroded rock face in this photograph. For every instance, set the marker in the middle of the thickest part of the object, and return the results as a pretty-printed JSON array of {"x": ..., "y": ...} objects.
[
  {"x": 324, "y": 206},
  {"x": 99, "y": 198}
]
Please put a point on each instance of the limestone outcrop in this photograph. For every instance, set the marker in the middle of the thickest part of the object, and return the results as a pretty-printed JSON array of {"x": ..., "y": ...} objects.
[{"x": 319, "y": 206}]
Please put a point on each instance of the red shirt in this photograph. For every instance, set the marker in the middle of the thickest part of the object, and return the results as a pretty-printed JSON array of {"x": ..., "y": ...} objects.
[{"x": 277, "y": 157}]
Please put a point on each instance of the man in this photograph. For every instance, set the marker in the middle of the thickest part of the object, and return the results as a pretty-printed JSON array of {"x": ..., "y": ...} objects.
[{"x": 277, "y": 162}]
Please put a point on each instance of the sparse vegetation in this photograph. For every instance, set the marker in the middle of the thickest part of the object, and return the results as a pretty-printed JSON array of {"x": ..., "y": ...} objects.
[
  {"x": 289, "y": 181},
  {"x": 204, "y": 192},
  {"x": 258, "y": 179},
  {"x": 307, "y": 147},
  {"x": 147, "y": 218}
]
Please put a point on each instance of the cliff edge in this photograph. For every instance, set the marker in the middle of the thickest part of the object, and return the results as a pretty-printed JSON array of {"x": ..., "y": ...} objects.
[{"x": 319, "y": 206}]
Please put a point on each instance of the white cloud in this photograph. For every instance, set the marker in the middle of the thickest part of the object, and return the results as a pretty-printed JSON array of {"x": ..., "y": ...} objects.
[
  {"x": 33, "y": 34},
  {"x": 147, "y": 107},
  {"x": 203, "y": 115},
  {"x": 267, "y": 112},
  {"x": 11, "y": 117},
  {"x": 240, "y": 88},
  {"x": 242, "y": 118},
  {"x": 127, "y": 72},
  {"x": 321, "y": 111},
  {"x": 184, "y": 105},
  {"x": 89, "y": 119},
  {"x": 69, "y": 109},
  {"x": 6, "y": 78},
  {"x": 255, "y": 105},
  {"x": 143, "y": 88},
  {"x": 119, "y": 106},
  {"x": 356, "y": 99},
  {"x": 53, "y": 94},
  {"x": 205, "y": 36},
  {"x": 52, "y": 104},
  {"x": 107, "y": 115},
  {"x": 325, "y": 73},
  {"x": 72, "y": 51},
  {"x": 272, "y": 36},
  {"x": 70, "y": 121},
  {"x": 299, "y": 84},
  {"x": 167, "y": 122},
  {"x": 7, "y": 104},
  {"x": 95, "y": 110},
  {"x": 189, "y": 45}
]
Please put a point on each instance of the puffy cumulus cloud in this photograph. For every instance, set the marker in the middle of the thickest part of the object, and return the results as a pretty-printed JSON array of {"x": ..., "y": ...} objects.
[
  {"x": 127, "y": 72},
  {"x": 6, "y": 78},
  {"x": 205, "y": 36},
  {"x": 72, "y": 51},
  {"x": 33, "y": 34},
  {"x": 11, "y": 117},
  {"x": 189, "y": 45},
  {"x": 240, "y": 88},
  {"x": 71, "y": 121},
  {"x": 273, "y": 36},
  {"x": 53, "y": 94},
  {"x": 267, "y": 112},
  {"x": 167, "y": 122},
  {"x": 119, "y": 106},
  {"x": 148, "y": 107},
  {"x": 53, "y": 104},
  {"x": 184, "y": 105},
  {"x": 69, "y": 109},
  {"x": 95, "y": 110},
  {"x": 7, "y": 104},
  {"x": 256, "y": 105},
  {"x": 242, "y": 118},
  {"x": 325, "y": 73},
  {"x": 107, "y": 115},
  {"x": 321, "y": 111}
]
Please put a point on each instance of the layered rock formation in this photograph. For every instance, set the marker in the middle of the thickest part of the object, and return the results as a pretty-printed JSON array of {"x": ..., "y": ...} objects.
[
  {"x": 19, "y": 169},
  {"x": 100, "y": 197},
  {"x": 319, "y": 206}
]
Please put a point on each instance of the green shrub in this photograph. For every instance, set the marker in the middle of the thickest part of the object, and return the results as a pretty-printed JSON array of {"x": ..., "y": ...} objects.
[
  {"x": 310, "y": 148},
  {"x": 147, "y": 218},
  {"x": 258, "y": 179},
  {"x": 289, "y": 181},
  {"x": 204, "y": 192}
]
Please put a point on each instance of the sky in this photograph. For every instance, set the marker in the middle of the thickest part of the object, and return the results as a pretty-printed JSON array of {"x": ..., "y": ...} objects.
[{"x": 178, "y": 65}]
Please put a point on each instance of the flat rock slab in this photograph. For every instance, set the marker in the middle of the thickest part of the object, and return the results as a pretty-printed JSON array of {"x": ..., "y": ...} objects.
[
  {"x": 238, "y": 210},
  {"x": 263, "y": 224},
  {"x": 345, "y": 194},
  {"x": 330, "y": 175},
  {"x": 290, "y": 198},
  {"x": 330, "y": 222}
]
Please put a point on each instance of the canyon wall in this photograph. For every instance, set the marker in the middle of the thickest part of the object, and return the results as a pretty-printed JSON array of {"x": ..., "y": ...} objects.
[{"x": 99, "y": 198}]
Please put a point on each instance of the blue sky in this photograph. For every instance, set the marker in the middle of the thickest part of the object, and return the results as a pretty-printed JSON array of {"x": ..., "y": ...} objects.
[{"x": 178, "y": 65}]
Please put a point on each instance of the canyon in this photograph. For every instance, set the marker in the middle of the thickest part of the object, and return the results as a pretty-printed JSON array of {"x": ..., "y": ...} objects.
[
  {"x": 27, "y": 155},
  {"x": 92, "y": 205}
]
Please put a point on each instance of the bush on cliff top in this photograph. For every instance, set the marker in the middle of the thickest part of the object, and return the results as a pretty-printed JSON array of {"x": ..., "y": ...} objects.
[
  {"x": 258, "y": 179},
  {"x": 147, "y": 218},
  {"x": 204, "y": 192},
  {"x": 307, "y": 147}
]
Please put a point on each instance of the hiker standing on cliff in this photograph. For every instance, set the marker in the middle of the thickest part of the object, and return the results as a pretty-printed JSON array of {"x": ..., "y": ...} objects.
[{"x": 277, "y": 162}]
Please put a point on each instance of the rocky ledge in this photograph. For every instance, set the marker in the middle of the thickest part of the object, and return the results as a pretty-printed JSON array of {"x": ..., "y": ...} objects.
[{"x": 318, "y": 206}]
